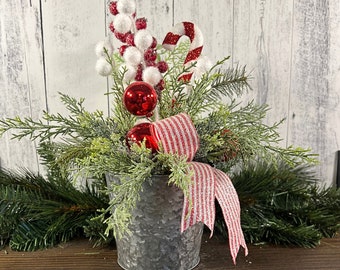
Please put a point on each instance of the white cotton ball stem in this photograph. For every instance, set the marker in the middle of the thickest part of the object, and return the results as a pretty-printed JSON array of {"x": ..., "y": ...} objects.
[
  {"x": 152, "y": 75},
  {"x": 130, "y": 73},
  {"x": 101, "y": 46},
  {"x": 126, "y": 6},
  {"x": 103, "y": 67},
  {"x": 132, "y": 56},
  {"x": 143, "y": 39},
  {"x": 122, "y": 23}
]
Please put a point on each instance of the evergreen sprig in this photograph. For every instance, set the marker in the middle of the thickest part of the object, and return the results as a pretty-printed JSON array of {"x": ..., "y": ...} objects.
[
  {"x": 121, "y": 116},
  {"x": 234, "y": 134},
  {"x": 92, "y": 145},
  {"x": 36, "y": 213},
  {"x": 78, "y": 123},
  {"x": 284, "y": 205},
  {"x": 205, "y": 93},
  {"x": 231, "y": 82}
]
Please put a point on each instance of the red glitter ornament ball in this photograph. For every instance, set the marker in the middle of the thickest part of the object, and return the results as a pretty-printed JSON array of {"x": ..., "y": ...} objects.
[
  {"x": 142, "y": 132},
  {"x": 140, "y": 98}
]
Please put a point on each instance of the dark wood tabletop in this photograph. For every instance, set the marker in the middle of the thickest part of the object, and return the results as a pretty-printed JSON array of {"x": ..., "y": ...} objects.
[{"x": 79, "y": 254}]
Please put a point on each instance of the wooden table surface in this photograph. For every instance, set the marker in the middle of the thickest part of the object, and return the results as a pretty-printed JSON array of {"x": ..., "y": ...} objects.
[{"x": 79, "y": 254}]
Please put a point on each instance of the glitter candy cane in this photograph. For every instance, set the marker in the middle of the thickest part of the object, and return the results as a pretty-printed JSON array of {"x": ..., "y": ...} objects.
[{"x": 196, "y": 38}]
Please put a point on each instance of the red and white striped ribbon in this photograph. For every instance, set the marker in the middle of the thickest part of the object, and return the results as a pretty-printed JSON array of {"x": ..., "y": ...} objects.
[
  {"x": 227, "y": 197},
  {"x": 196, "y": 38},
  {"x": 202, "y": 197},
  {"x": 177, "y": 134}
]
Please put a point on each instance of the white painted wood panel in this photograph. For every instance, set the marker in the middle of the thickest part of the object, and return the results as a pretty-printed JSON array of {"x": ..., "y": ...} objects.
[
  {"x": 333, "y": 125},
  {"x": 292, "y": 48},
  {"x": 21, "y": 76},
  {"x": 262, "y": 41},
  {"x": 71, "y": 30},
  {"x": 313, "y": 100}
]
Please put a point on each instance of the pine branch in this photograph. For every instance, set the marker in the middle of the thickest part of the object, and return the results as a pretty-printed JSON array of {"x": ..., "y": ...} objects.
[
  {"x": 284, "y": 205},
  {"x": 94, "y": 230},
  {"x": 206, "y": 93},
  {"x": 43, "y": 213},
  {"x": 231, "y": 82}
]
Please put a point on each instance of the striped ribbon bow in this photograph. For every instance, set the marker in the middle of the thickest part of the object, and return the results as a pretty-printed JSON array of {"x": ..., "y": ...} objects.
[{"x": 178, "y": 135}]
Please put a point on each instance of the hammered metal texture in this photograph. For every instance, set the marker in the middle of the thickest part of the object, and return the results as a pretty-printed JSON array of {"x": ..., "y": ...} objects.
[{"x": 155, "y": 241}]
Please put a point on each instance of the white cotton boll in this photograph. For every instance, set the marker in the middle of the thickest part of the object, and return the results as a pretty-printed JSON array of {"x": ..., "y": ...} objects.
[
  {"x": 103, "y": 67},
  {"x": 99, "y": 49},
  {"x": 143, "y": 39},
  {"x": 130, "y": 73},
  {"x": 152, "y": 75},
  {"x": 122, "y": 23},
  {"x": 132, "y": 56},
  {"x": 126, "y": 6}
]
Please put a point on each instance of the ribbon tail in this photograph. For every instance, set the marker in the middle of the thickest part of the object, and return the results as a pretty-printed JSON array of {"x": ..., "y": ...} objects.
[
  {"x": 200, "y": 205},
  {"x": 230, "y": 205}
]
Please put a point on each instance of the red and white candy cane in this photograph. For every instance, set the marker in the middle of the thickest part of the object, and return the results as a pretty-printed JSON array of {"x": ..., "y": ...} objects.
[{"x": 196, "y": 38}]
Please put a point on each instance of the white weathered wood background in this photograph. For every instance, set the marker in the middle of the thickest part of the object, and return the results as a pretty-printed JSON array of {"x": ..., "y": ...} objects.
[{"x": 292, "y": 48}]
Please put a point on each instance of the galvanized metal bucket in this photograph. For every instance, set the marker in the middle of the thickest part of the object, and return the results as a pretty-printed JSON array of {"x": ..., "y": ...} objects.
[{"x": 156, "y": 241}]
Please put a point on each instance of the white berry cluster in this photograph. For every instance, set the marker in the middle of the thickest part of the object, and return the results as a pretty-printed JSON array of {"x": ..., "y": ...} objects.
[{"x": 138, "y": 46}]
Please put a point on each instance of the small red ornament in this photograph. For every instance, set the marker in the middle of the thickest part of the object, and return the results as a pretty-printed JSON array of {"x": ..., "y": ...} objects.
[
  {"x": 162, "y": 66},
  {"x": 150, "y": 55},
  {"x": 141, "y": 23},
  {"x": 160, "y": 86},
  {"x": 139, "y": 73},
  {"x": 150, "y": 64},
  {"x": 113, "y": 8},
  {"x": 121, "y": 36},
  {"x": 130, "y": 39},
  {"x": 140, "y": 98},
  {"x": 142, "y": 132},
  {"x": 112, "y": 27}
]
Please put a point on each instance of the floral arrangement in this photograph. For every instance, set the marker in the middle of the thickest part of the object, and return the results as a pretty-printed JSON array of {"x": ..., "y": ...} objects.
[{"x": 168, "y": 117}]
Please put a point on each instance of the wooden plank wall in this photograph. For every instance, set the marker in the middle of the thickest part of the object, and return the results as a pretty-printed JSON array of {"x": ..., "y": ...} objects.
[{"x": 292, "y": 48}]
